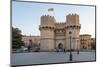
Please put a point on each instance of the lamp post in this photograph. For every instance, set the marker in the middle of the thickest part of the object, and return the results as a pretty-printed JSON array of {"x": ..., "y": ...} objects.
[
  {"x": 70, "y": 56},
  {"x": 77, "y": 46}
]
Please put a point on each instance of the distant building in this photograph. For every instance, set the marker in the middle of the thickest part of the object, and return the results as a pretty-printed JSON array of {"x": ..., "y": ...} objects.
[
  {"x": 35, "y": 40},
  {"x": 86, "y": 42},
  {"x": 93, "y": 43}
]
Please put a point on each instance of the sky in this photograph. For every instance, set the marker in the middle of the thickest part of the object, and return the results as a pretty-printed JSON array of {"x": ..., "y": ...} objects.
[{"x": 26, "y": 16}]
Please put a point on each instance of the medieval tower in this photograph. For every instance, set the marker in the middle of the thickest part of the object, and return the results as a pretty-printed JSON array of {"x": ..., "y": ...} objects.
[{"x": 59, "y": 35}]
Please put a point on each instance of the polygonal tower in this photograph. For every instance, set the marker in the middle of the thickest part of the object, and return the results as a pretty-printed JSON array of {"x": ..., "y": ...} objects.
[
  {"x": 47, "y": 33},
  {"x": 72, "y": 32}
]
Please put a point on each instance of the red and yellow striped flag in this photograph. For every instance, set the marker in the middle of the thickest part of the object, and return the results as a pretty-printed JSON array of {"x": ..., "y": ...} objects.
[{"x": 50, "y": 10}]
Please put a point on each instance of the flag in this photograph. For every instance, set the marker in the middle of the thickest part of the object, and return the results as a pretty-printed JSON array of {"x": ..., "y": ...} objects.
[{"x": 50, "y": 9}]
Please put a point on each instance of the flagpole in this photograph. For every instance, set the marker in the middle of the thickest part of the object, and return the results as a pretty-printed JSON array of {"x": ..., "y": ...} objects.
[{"x": 50, "y": 11}]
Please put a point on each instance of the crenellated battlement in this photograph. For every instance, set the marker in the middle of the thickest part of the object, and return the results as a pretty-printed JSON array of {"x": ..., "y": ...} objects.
[
  {"x": 60, "y": 22},
  {"x": 60, "y": 25},
  {"x": 47, "y": 16},
  {"x": 47, "y": 20},
  {"x": 73, "y": 14},
  {"x": 72, "y": 21}
]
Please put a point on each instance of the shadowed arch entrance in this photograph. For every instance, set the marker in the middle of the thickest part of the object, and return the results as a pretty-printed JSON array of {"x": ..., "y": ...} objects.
[{"x": 60, "y": 46}]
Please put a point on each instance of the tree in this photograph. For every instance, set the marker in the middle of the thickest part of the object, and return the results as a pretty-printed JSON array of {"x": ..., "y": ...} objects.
[{"x": 16, "y": 38}]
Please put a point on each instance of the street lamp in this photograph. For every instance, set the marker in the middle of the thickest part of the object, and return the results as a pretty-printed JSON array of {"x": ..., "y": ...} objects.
[
  {"x": 77, "y": 47},
  {"x": 70, "y": 56}
]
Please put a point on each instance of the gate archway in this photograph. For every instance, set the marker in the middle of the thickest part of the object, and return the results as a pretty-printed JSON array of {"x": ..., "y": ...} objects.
[{"x": 60, "y": 46}]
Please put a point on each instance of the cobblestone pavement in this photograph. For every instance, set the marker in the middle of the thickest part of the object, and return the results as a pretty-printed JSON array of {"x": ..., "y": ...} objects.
[{"x": 49, "y": 57}]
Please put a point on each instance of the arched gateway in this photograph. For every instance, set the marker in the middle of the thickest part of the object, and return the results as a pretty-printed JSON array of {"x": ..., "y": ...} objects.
[{"x": 60, "y": 46}]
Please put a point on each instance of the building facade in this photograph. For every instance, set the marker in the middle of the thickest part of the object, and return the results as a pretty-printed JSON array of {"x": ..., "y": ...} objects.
[
  {"x": 85, "y": 41},
  {"x": 33, "y": 39},
  {"x": 57, "y": 35},
  {"x": 93, "y": 43}
]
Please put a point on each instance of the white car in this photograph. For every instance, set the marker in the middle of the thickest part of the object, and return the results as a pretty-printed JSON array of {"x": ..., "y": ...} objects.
[{"x": 25, "y": 49}]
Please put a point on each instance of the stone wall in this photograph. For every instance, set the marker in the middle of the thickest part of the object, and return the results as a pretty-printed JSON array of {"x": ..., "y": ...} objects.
[{"x": 53, "y": 33}]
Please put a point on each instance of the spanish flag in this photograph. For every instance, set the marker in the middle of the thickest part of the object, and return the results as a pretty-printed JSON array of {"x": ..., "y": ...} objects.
[{"x": 50, "y": 10}]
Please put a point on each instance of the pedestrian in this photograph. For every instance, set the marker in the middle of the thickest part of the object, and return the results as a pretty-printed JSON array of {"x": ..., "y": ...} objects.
[
  {"x": 77, "y": 51},
  {"x": 64, "y": 50},
  {"x": 29, "y": 48},
  {"x": 56, "y": 50}
]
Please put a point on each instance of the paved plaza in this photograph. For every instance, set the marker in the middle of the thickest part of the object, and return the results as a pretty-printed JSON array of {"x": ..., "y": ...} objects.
[{"x": 49, "y": 57}]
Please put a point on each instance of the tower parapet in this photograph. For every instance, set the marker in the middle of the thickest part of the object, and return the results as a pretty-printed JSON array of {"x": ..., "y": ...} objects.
[
  {"x": 47, "y": 22},
  {"x": 60, "y": 25},
  {"x": 72, "y": 21}
]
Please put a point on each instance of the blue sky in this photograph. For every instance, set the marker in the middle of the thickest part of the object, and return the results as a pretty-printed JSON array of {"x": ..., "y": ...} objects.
[{"x": 26, "y": 16}]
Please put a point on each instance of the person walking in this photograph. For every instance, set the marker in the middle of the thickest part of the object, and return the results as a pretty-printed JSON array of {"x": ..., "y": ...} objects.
[
  {"x": 29, "y": 48},
  {"x": 64, "y": 50}
]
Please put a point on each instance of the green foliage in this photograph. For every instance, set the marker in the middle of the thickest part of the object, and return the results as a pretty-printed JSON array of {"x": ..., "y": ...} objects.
[{"x": 16, "y": 38}]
